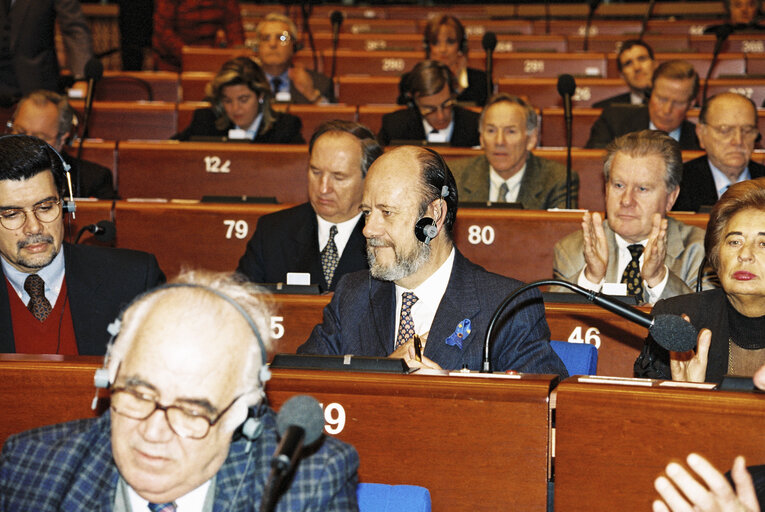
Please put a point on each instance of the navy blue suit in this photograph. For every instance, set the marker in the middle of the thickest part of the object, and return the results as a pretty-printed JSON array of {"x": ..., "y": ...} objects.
[
  {"x": 69, "y": 467},
  {"x": 360, "y": 320},
  {"x": 285, "y": 130}
]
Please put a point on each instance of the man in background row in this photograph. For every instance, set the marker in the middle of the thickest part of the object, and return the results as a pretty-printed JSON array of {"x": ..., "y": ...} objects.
[
  {"x": 728, "y": 131},
  {"x": 323, "y": 237},
  {"x": 508, "y": 171},
  {"x": 636, "y": 65}
]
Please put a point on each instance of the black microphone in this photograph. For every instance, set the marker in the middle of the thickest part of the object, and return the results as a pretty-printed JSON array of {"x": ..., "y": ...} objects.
[
  {"x": 94, "y": 70},
  {"x": 103, "y": 231},
  {"x": 669, "y": 331},
  {"x": 646, "y": 18},
  {"x": 489, "y": 43},
  {"x": 336, "y": 18},
  {"x": 722, "y": 32},
  {"x": 591, "y": 14},
  {"x": 300, "y": 423},
  {"x": 566, "y": 88}
]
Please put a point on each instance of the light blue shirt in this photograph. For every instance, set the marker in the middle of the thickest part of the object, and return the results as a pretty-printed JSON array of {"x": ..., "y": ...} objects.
[
  {"x": 52, "y": 274},
  {"x": 722, "y": 182},
  {"x": 284, "y": 86},
  {"x": 675, "y": 134}
]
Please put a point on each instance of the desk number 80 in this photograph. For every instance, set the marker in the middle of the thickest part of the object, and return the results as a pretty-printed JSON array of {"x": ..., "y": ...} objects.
[{"x": 481, "y": 235}]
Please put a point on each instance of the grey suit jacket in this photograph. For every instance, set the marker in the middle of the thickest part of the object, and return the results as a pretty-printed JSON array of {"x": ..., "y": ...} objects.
[
  {"x": 617, "y": 120},
  {"x": 543, "y": 184},
  {"x": 685, "y": 252},
  {"x": 360, "y": 320}
]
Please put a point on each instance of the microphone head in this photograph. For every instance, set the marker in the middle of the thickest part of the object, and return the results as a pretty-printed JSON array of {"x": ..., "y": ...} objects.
[
  {"x": 94, "y": 69},
  {"x": 301, "y": 411},
  {"x": 673, "y": 333},
  {"x": 336, "y": 17},
  {"x": 107, "y": 231},
  {"x": 566, "y": 85},
  {"x": 489, "y": 41}
]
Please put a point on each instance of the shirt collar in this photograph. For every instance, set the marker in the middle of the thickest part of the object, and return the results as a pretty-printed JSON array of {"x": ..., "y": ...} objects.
[
  {"x": 344, "y": 231},
  {"x": 191, "y": 502},
  {"x": 444, "y": 135},
  {"x": 675, "y": 134},
  {"x": 52, "y": 274},
  {"x": 722, "y": 182}
]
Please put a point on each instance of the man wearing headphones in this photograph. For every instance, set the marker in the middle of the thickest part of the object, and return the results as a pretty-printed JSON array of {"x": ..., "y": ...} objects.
[
  {"x": 195, "y": 350},
  {"x": 420, "y": 289},
  {"x": 432, "y": 116},
  {"x": 57, "y": 298},
  {"x": 277, "y": 44},
  {"x": 323, "y": 237},
  {"x": 47, "y": 115}
]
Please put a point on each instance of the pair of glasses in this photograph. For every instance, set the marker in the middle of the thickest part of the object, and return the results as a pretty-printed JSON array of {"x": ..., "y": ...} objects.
[
  {"x": 284, "y": 38},
  {"x": 188, "y": 421},
  {"x": 426, "y": 110},
  {"x": 15, "y": 129},
  {"x": 725, "y": 131},
  {"x": 45, "y": 211}
]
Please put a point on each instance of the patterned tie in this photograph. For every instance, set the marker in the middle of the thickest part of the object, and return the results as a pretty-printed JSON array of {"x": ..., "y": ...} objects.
[
  {"x": 406, "y": 323},
  {"x": 276, "y": 83},
  {"x": 502, "y": 195},
  {"x": 38, "y": 304},
  {"x": 329, "y": 257},
  {"x": 162, "y": 507},
  {"x": 631, "y": 274}
]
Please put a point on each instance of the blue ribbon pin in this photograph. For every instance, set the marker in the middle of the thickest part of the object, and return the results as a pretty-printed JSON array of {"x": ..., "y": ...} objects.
[{"x": 460, "y": 333}]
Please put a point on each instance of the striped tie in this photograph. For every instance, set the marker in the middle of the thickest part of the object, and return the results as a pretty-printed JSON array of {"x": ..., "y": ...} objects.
[
  {"x": 406, "y": 323},
  {"x": 502, "y": 194}
]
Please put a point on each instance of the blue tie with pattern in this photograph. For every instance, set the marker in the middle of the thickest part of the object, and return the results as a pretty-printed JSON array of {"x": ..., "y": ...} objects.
[
  {"x": 406, "y": 323},
  {"x": 162, "y": 507}
]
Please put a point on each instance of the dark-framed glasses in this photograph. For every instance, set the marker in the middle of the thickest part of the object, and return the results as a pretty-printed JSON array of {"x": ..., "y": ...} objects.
[
  {"x": 189, "y": 421},
  {"x": 426, "y": 110},
  {"x": 726, "y": 131},
  {"x": 284, "y": 38},
  {"x": 45, "y": 211}
]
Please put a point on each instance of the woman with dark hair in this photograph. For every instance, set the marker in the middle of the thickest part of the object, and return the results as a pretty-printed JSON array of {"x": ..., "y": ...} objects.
[
  {"x": 445, "y": 41},
  {"x": 731, "y": 319},
  {"x": 241, "y": 108}
]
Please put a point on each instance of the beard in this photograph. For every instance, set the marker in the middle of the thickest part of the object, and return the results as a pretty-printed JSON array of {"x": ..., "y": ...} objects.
[
  {"x": 37, "y": 260},
  {"x": 404, "y": 264}
]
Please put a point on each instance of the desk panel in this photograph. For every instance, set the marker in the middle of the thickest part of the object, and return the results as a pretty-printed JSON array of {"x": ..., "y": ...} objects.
[
  {"x": 612, "y": 441},
  {"x": 190, "y": 170},
  {"x": 122, "y": 120},
  {"x": 544, "y": 64}
]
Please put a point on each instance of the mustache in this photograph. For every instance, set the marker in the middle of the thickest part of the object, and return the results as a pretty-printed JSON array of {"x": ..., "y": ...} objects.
[
  {"x": 377, "y": 242},
  {"x": 35, "y": 239}
]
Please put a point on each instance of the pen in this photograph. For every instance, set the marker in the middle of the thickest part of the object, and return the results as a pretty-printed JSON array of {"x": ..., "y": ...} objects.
[{"x": 417, "y": 348}]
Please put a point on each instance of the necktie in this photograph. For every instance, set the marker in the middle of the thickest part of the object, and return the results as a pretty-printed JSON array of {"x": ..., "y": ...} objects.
[
  {"x": 276, "y": 83},
  {"x": 329, "y": 257},
  {"x": 631, "y": 274},
  {"x": 503, "y": 190},
  {"x": 406, "y": 323},
  {"x": 162, "y": 507},
  {"x": 38, "y": 304}
]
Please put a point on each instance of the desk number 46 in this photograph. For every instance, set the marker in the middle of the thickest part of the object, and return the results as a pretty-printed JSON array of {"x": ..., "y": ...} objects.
[{"x": 591, "y": 336}]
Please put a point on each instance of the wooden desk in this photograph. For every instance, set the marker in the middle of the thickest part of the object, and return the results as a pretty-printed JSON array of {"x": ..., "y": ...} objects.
[
  {"x": 553, "y": 133},
  {"x": 544, "y": 64},
  {"x": 122, "y": 120},
  {"x": 129, "y": 86},
  {"x": 314, "y": 115},
  {"x": 612, "y": 42},
  {"x": 727, "y": 64},
  {"x": 197, "y": 58},
  {"x": 475, "y": 443},
  {"x": 99, "y": 151},
  {"x": 612, "y": 441},
  {"x": 190, "y": 170},
  {"x": 363, "y": 90}
]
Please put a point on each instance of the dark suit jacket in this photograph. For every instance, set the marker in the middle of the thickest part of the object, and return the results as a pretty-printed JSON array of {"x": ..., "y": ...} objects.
[
  {"x": 543, "y": 184},
  {"x": 84, "y": 477},
  {"x": 616, "y": 120},
  {"x": 620, "y": 99},
  {"x": 286, "y": 129},
  {"x": 100, "y": 281},
  {"x": 95, "y": 180},
  {"x": 708, "y": 309},
  {"x": 360, "y": 320},
  {"x": 30, "y": 32},
  {"x": 407, "y": 125},
  {"x": 287, "y": 241},
  {"x": 698, "y": 186},
  {"x": 321, "y": 82}
]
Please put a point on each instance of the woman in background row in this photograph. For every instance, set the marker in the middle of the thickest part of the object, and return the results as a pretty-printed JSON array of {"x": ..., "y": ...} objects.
[
  {"x": 731, "y": 319},
  {"x": 446, "y": 42},
  {"x": 241, "y": 99}
]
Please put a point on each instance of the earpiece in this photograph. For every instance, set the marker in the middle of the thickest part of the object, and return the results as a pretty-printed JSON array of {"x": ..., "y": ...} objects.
[{"x": 426, "y": 228}]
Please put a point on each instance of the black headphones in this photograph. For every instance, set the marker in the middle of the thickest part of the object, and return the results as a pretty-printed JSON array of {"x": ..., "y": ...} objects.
[{"x": 426, "y": 229}]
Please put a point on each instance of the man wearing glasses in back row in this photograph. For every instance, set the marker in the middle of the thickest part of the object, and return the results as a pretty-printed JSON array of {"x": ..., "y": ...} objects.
[
  {"x": 727, "y": 130},
  {"x": 432, "y": 116}
]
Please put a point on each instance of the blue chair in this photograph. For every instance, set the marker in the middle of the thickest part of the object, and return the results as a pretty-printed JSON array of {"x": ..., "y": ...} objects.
[
  {"x": 579, "y": 358},
  {"x": 392, "y": 498}
]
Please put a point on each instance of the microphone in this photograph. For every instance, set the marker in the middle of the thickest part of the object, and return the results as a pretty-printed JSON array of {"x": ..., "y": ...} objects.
[
  {"x": 722, "y": 32},
  {"x": 300, "y": 423},
  {"x": 648, "y": 15},
  {"x": 566, "y": 88},
  {"x": 336, "y": 18},
  {"x": 94, "y": 70},
  {"x": 489, "y": 43},
  {"x": 593, "y": 7},
  {"x": 103, "y": 231},
  {"x": 669, "y": 331}
]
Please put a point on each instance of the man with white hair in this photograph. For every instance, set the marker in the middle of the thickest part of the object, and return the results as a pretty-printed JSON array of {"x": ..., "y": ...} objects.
[{"x": 184, "y": 374}]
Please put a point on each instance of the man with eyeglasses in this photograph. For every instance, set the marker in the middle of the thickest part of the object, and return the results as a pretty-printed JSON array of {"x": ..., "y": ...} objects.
[
  {"x": 48, "y": 116},
  {"x": 727, "y": 131},
  {"x": 433, "y": 116},
  {"x": 57, "y": 298},
  {"x": 675, "y": 86},
  {"x": 185, "y": 374},
  {"x": 277, "y": 44}
]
